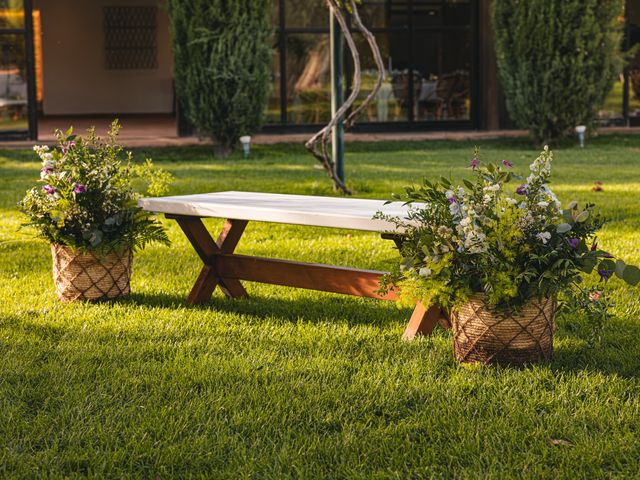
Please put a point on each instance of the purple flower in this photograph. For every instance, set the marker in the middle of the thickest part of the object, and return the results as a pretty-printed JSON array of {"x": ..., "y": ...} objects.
[
  {"x": 79, "y": 188},
  {"x": 573, "y": 242},
  {"x": 68, "y": 146},
  {"x": 605, "y": 275},
  {"x": 474, "y": 163},
  {"x": 507, "y": 163},
  {"x": 49, "y": 190},
  {"x": 47, "y": 171},
  {"x": 452, "y": 199},
  {"x": 521, "y": 190}
]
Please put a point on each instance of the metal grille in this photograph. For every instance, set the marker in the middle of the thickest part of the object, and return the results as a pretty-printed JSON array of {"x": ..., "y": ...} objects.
[{"x": 130, "y": 38}]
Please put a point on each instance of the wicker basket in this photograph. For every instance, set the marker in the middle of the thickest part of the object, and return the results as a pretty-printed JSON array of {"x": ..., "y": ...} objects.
[
  {"x": 482, "y": 335},
  {"x": 87, "y": 276}
]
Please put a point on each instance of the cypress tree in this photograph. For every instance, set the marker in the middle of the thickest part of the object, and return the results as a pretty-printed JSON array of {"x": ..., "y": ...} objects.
[
  {"x": 557, "y": 60},
  {"x": 222, "y": 65}
]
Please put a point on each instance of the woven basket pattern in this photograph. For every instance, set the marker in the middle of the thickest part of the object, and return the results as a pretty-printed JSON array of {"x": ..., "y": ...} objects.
[
  {"x": 482, "y": 335},
  {"x": 86, "y": 276}
]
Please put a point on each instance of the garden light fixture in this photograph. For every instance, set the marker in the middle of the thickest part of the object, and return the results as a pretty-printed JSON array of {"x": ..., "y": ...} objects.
[
  {"x": 246, "y": 145},
  {"x": 580, "y": 130}
]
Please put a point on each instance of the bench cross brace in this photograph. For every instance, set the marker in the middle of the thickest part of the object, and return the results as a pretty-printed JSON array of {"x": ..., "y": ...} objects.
[{"x": 225, "y": 269}]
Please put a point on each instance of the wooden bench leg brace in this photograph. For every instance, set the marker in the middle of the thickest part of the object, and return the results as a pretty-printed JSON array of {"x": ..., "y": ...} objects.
[
  {"x": 423, "y": 320},
  {"x": 208, "y": 251},
  {"x": 216, "y": 254}
]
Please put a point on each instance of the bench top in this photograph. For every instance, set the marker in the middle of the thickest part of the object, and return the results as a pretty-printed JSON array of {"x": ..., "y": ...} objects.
[{"x": 348, "y": 213}]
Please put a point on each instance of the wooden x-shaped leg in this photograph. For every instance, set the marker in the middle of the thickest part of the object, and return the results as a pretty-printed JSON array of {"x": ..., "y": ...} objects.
[
  {"x": 208, "y": 250},
  {"x": 423, "y": 320}
]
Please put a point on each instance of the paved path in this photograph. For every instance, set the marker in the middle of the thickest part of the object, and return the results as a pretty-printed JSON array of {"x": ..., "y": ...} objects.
[{"x": 152, "y": 131}]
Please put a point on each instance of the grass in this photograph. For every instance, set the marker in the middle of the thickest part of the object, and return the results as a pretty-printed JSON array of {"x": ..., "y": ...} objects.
[{"x": 300, "y": 384}]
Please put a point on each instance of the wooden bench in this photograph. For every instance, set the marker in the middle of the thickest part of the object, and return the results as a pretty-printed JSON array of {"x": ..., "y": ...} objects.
[{"x": 223, "y": 268}]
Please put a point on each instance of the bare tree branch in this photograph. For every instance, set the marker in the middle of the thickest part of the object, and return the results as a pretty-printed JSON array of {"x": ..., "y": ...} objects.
[
  {"x": 318, "y": 144},
  {"x": 377, "y": 57},
  {"x": 322, "y": 136}
]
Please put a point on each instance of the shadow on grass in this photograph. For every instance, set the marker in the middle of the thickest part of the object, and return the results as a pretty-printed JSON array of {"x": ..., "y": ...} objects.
[
  {"x": 618, "y": 352},
  {"x": 616, "y": 355},
  {"x": 355, "y": 311}
]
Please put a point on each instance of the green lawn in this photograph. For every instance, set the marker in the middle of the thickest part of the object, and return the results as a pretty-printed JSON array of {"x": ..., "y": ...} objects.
[{"x": 299, "y": 384}]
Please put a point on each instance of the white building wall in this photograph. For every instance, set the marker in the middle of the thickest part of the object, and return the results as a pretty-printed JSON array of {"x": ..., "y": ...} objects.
[{"x": 75, "y": 77}]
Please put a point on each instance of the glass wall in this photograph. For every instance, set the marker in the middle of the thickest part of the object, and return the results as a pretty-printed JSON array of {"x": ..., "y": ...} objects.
[
  {"x": 622, "y": 105},
  {"x": 14, "y": 92},
  {"x": 427, "y": 47},
  {"x": 633, "y": 72}
]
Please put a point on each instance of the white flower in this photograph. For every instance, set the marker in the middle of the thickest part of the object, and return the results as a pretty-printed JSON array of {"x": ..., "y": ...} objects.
[
  {"x": 486, "y": 199},
  {"x": 492, "y": 188},
  {"x": 474, "y": 241},
  {"x": 543, "y": 204},
  {"x": 525, "y": 222},
  {"x": 47, "y": 157},
  {"x": 424, "y": 272},
  {"x": 449, "y": 194},
  {"x": 465, "y": 222},
  {"x": 544, "y": 237},
  {"x": 511, "y": 201}
]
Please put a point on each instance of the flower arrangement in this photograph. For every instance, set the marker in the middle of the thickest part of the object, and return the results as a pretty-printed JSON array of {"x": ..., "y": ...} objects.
[
  {"x": 87, "y": 199},
  {"x": 512, "y": 244}
]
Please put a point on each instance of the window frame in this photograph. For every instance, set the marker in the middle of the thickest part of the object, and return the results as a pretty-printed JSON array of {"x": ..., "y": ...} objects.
[{"x": 282, "y": 32}]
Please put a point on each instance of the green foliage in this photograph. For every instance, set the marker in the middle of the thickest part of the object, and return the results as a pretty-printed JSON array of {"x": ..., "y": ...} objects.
[
  {"x": 511, "y": 244},
  {"x": 222, "y": 64},
  {"x": 87, "y": 199},
  {"x": 557, "y": 60}
]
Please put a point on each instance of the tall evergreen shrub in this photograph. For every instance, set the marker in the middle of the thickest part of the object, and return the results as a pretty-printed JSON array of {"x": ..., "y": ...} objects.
[
  {"x": 557, "y": 60},
  {"x": 222, "y": 65}
]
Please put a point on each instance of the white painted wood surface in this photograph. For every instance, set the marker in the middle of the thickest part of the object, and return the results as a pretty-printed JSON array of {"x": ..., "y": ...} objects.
[{"x": 349, "y": 213}]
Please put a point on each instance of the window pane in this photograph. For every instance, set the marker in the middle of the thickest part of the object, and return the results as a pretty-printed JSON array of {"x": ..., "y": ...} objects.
[
  {"x": 438, "y": 13},
  {"x": 11, "y": 14},
  {"x": 275, "y": 13},
  {"x": 13, "y": 83},
  {"x": 392, "y": 102},
  {"x": 306, "y": 13},
  {"x": 385, "y": 13},
  {"x": 612, "y": 109},
  {"x": 442, "y": 63},
  {"x": 428, "y": 14},
  {"x": 457, "y": 13},
  {"x": 308, "y": 78},
  {"x": 634, "y": 94},
  {"x": 272, "y": 114},
  {"x": 633, "y": 15}
]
